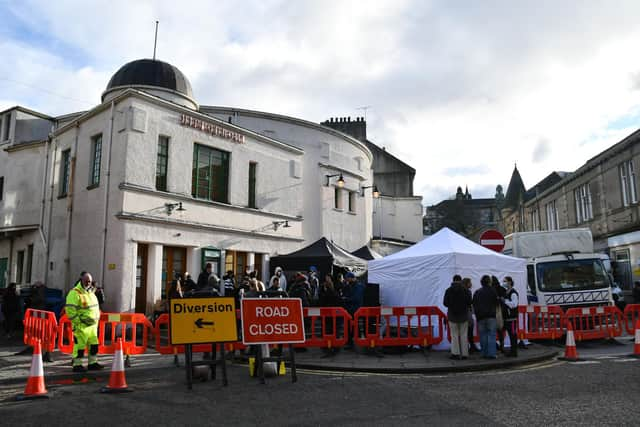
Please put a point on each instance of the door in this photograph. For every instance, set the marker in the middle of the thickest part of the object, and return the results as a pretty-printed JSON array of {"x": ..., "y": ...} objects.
[
  {"x": 3, "y": 272},
  {"x": 141, "y": 279},
  {"x": 174, "y": 260},
  {"x": 622, "y": 269}
]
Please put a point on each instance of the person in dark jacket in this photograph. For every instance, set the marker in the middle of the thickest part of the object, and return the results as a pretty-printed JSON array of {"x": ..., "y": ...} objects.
[
  {"x": 485, "y": 302},
  {"x": 189, "y": 285},
  {"x": 10, "y": 309},
  {"x": 300, "y": 288},
  {"x": 353, "y": 293},
  {"x": 510, "y": 305},
  {"x": 501, "y": 311},
  {"x": 457, "y": 299},
  {"x": 466, "y": 282},
  {"x": 203, "y": 278}
]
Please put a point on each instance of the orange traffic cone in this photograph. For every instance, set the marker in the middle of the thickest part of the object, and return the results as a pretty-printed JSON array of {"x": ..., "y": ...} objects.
[
  {"x": 117, "y": 382},
  {"x": 570, "y": 351},
  {"x": 35, "y": 388},
  {"x": 636, "y": 346}
]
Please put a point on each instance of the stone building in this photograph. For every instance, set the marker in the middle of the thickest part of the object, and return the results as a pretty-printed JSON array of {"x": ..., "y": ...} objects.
[
  {"x": 602, "y": 195},
  {"x": 464, "y": 214},
  {"x": 397, "y": 212},
  {"x": 149, "y": 183}
]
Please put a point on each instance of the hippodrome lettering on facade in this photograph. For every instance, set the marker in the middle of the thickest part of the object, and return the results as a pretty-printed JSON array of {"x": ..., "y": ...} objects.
[{"x": 210, "y": 128}]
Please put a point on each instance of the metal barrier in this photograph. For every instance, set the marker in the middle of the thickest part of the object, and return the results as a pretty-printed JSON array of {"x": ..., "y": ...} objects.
[
  {"x": 631, "y": 316},
  {"x": 398, "y": 326},
  {"x": 537, "y": 322},
  {"x": 40, "y": 325},
  {"x": 326, "y": 327},
  {"x": 133, "y": 328},
  {"x": 591, "y": 323}
]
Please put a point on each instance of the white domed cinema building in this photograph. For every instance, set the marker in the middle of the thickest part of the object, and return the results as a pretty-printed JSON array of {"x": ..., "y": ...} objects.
[{"x": 149, "y": 183}]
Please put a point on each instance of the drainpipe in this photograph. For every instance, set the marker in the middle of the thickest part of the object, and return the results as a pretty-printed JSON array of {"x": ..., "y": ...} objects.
[
  {"x": 48, "y": 247},
  {"x": 71, "y": 193},
  {"x": 106, "y": 197},
  {"x": 43, "y": 201}
]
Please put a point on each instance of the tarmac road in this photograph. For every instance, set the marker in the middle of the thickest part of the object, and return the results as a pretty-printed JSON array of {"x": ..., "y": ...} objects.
[{"x": 601, "y": 392}]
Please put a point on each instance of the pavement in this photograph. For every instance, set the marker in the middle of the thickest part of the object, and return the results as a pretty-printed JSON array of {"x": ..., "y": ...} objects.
[{"x": 15, "y": 362}]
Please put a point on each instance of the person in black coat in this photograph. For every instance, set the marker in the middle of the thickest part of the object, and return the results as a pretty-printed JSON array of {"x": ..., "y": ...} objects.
[
  {"x": 485, "y": 302},
  {"x": 501, "y": 314},
  {"x": 457, "y": 299},
  {"x": 10, "y": 309}
]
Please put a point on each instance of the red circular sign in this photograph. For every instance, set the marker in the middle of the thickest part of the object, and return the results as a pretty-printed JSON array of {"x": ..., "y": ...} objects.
[{"x": 492, "y": 239}]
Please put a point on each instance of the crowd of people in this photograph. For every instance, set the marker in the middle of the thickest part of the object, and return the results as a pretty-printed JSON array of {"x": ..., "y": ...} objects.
[
  {"x": 496, "y": 311},
  {"x": 344, "y": 291}
]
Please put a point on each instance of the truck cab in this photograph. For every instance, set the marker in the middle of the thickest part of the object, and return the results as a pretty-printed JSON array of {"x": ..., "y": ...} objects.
[
  {"x": 568, "y": 280},
  {"x": 562, "y": 268}
]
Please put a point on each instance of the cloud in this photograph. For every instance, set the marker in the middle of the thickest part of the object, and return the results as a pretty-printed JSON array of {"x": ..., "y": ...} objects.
[
  {"x": 541, "y": 151},
  {"x": 450, "y": 85},
  {"x": 466, "y": 170}
]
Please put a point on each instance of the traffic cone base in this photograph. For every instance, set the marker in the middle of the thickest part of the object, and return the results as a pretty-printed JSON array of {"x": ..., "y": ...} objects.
[
  {"x": 35, "y": 388},
  {"x": 117, "y": 381}
]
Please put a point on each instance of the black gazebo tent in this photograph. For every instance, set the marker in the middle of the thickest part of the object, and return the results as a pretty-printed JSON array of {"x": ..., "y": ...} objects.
[
  {"x": 322, "y": 254},
  {"x": 365, "y": 252}
]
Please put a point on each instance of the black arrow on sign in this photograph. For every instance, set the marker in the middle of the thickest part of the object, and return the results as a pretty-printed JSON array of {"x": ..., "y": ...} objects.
[{"x": 201, "y": 323}]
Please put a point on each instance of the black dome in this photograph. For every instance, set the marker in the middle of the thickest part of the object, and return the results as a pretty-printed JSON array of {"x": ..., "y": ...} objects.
[{"x": 149, "y": 72}]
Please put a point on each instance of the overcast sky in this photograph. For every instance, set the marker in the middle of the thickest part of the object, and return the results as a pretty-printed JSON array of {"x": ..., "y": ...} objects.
[{"x": 460, "y": 90}]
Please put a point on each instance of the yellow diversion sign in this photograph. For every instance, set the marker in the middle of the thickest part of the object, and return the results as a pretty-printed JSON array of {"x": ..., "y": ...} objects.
[{"x": 202, "y": 320}]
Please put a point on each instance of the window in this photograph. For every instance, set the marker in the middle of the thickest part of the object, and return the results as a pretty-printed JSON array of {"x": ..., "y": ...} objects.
[
  {"x": 584, "y": 211},
  {"x": 19, "y": 265},
  {"x": 1, "y": 188},
  {"x": 535, "y": 226},
  {"x": 352, "y": 201},
  {"x": 65, "y": 170},
  {"x": 29, "y": 263},
  {"x": 96, "y": 159},
  {"x": 161, "y": 163},
  {"x": 252, "y": 185},
  {"x": 6, "y": 126},
  {"x": 210, "y": 174},
  {"x": 552, "y": 216},
  {"x": 337, "y": 198},
  {"x": 628, "y": 183}
]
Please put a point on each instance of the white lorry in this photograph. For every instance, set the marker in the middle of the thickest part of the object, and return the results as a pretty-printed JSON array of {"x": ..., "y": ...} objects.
[{"x": 562, "y": 268}]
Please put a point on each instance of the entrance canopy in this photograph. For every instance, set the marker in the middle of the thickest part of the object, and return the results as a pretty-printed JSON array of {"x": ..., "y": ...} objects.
[{"x": 420, "y": 274}]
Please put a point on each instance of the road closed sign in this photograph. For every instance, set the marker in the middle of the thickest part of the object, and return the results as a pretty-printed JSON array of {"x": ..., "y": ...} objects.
[
  {"x": 272, "y": 320},
  {"x": 202, "y": 320}
]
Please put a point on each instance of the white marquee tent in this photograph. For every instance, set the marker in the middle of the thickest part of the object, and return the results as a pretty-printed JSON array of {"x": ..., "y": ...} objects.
[{"x": 420, "y": 274}]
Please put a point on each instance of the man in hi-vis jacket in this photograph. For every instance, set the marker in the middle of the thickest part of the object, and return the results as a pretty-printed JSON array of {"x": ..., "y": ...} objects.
[{"x": 84, "y": 313}]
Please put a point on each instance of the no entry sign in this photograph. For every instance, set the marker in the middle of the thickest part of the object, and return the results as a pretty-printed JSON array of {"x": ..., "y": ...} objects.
[
  {"x": 492, "y": 239},
  {"x": 272, "y": 320}
]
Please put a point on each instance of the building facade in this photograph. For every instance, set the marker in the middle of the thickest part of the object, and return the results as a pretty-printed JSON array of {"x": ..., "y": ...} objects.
[
  {"x": 149, "y": 183},
  {"x": 397, "y": 212},
  {"x": 602, "y": 195},
  {"x": 464, "y": 214}
]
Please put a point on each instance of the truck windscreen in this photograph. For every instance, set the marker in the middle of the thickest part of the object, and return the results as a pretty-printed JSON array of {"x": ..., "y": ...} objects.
[{"x": 571, "y": 275}]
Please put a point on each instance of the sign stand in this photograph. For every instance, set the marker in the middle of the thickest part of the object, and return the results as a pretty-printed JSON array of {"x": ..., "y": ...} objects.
[
  {"x": 278, "y": 359},
  {"x": 203, "y": 321},
  {"x": 212, "y": 364}
]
